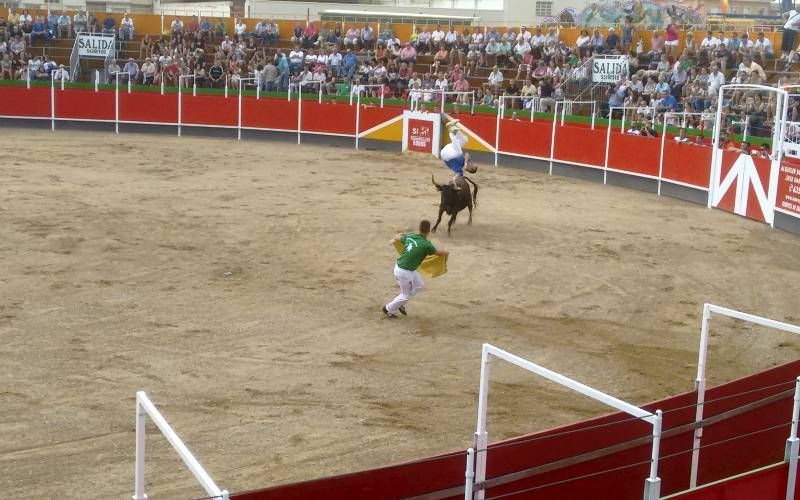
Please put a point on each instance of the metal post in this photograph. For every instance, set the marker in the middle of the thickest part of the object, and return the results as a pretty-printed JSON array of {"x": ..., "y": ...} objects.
[
  {"x": 622, "y": 126},
  {"x": 661, "y": 155},
  {"x": 239, "y": 126},
  {"x": 129, "y": 83},
  {"x": 226, "y": 85},
  {"x": 481, "y": 436},
  {"x": 52, "y": 101},
  {"x": 28, "y": 78},
  {"x": 594, "y": 112},
  {"x": 194, "y": 87},
  {"x": 180, "y": 105},
  {"x": 469, "y": 475},
  {"x": 608, "y": 144},
  {"x": 96, "y": 79},
  {"x": 652, "y": 486},
  {"x": 62, "y": 80},
  {"x": 715, "y": 153},
  {"x": 442, "y": 103},
  {"x": 793, "y": 445},
  {"x": 563, "y": 113},
  {"x": 553, "y": 138},
  {"x": 162, "y": 83},
  {"x": 116, "y": 103},
  {"x": 299, "y": 109},
  {"x": 472, "y": 108},
  {"x": 320, "y": 93},
  {"x": 358, "y": 116},
  {"x": 497, "y": 130},
  {"x": 138, "y": 491},
  {"x": 700, "y": 389},
  {"x": 381, "y": 97}
]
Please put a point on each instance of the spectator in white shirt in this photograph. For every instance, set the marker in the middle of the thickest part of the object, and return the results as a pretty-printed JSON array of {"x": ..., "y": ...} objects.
[
  {"x": 61, "y": 73},
  {"x": 495, "y": 78},
  {"x": 239, "y": 28},
  {"x": 715, "y": 80},
  {"x": 130, "y": 71},
  {"x": 709, "y": 42},
  {"x": 126, "y": 28},
  {"x": 450, "y": 38},
  {"x": 764, "y": 46},
  {"x": 437, "y": 37},
  {"x": 177, "y": 28}
]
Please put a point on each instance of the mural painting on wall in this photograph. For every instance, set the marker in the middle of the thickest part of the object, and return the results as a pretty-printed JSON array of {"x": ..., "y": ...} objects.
[{"x": 644, "y": 13}]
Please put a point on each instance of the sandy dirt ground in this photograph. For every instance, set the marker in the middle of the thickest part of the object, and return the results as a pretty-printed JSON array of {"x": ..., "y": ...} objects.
[{"x": 240, "y": 285}]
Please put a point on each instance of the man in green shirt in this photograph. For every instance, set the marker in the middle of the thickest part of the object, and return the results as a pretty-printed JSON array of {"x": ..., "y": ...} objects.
[{"x": 416, "y": 247}]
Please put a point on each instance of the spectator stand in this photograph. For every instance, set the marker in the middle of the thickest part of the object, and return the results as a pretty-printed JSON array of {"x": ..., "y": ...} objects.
[{"x": 357, "y": 90}]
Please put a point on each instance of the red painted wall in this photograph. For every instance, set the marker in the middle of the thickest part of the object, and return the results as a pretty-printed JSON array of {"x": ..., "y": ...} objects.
[
  {"x": 716, "y": 462},
  {"x": 687, "y": 163},
  {"x": 522, "y": 137},
  {"x": 580, "y": 145},
  {"x": 19, "y": 101},
  {"x": 769, "y": 483},
  {"x": 84, "y": 104},
  {"x": 148, "y": 107},
  {"x": 328, "y": 117},
  {"x": 209, "y": 110},
  {"x": 633, "y": 153},
  {"x": 269, "y": 113}
]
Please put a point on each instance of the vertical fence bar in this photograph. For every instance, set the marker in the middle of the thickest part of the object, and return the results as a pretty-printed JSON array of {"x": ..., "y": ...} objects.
[
  {"x": 52, "y": 101},
  {"x": 96, "y": 79},
  {"x": 180, "y": 105},
  {"x": 141, "y": 423},
  {"x": 661, "y": 154},
  {"x": 129, "y": 83},
  {"x": 469, "y": 474},
  {"x": 226, "y": 85},
  {"x": 793, "y": 445},
  {"x": 381, "y": 97},
  {"x": 320, "y": 93},
  {"x": 239, "y": 123},
  {"x": 608, "y": 145},
  {"x": 116, "y": 103},
  {"x": 162, "y": 83},
  {"x": 594, "y": 112},
  {"x": 497, "y": 131},
  {"x": 652, "y": 487},
  {"x": 299, "y": 109},
  {"x": 358, "y": 117},
  {"x": 553, "y": 139},
  {"x": 481, "y": 436},
  {"x": 700, "y": 389}
]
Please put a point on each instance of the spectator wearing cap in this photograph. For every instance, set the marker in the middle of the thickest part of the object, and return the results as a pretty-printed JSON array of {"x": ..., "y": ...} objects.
[
  {"x": 126, "y": 27},
  {"x": 61, "y": 73}
]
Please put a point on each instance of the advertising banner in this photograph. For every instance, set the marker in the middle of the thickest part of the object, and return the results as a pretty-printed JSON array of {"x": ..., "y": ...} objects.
[
  {"x": 789, "y": 188},
  {"x": 420, "y": 136}
]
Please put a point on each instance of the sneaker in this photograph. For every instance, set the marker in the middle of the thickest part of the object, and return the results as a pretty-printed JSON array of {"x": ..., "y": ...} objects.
[
  {"x": 386, "y": 312},
  {"x": 403, "y": 310}
]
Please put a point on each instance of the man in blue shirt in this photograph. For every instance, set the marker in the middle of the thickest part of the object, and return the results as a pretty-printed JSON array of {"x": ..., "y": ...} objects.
[
  {"x": 39, "y": 30},
  {"x": 350, "y": 64},
  {"x": 283, "y": 70},
  {"x": 109, "y": 24}
]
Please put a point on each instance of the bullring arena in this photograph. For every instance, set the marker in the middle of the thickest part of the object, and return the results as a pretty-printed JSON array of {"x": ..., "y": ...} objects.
[{"x": 228, "y": 254}]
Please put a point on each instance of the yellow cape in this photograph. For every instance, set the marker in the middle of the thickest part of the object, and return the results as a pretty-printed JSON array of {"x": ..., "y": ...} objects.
[{"x": 431, "y": 267}]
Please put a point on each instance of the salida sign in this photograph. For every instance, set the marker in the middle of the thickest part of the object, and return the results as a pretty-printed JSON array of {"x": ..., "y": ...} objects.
[
  {"x": 609, "y": 69},
  {"x": 94, "y": 45}
]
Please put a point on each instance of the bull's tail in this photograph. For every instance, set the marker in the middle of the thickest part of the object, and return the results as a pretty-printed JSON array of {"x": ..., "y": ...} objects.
[{"x": 474, "y": 192}]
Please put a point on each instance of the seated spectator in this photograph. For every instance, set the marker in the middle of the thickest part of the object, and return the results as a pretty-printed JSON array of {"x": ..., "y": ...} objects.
[
  {"x": 80, "y": 22},
  {"x": 61, "y": 73},
  {"x": 351, "y": 38},
  {"x": 310, "y": 36},
  {"x": 126, "y": 27},
  {"x": 93, "y": 24},
  {"x": 130, "y": 71},
  {"x": 495, "y": 80},
  {"x": 221, "y": 29},
  {"x": 149, "y": 70},
  {"x": 39, "y": 30},
  {"x": 597, "y": 42},
  {"x": 109, "y": 25},
  {"x": 176, "y": 28},
  {"x": 764, "y": 46},
  {"x": 64, "y": 25},
  {"x": 6, "y": 67},
  {"x": 408, "y": 54},
  {"x": 113, "y": 69},
  {"x": 239, "y": 28},
  {"x": 612, "y": 42},
  {"x": 367, "y": 37}
]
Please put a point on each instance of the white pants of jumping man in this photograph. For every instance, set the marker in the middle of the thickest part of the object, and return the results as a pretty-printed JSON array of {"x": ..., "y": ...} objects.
[{"x": 410, "y": 284}]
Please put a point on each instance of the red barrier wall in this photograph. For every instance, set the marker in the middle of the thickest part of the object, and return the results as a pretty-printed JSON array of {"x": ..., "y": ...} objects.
[
  {"x": 209, "y": 110},
  {"x": 84, "y": 104},
  {"x": 148, "y": 107},
  {"x": 687, "y": 163},
  {"x": 716, "y": 462},
  {"x": 19, "y": 101},
  {"x": 328, "y": 118},
  {"x": 372, "y": 115},
  {"x": 633, "y": 153},
  {"x": 269, "y": 113},
  {"x": 580, "y": 145},
  {"x": 766, "y": 483},
  {"x": 522, "y": 137}
]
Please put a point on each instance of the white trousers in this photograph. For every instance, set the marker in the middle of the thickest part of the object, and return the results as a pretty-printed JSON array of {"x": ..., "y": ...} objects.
[{"x": 410, "y": 284}]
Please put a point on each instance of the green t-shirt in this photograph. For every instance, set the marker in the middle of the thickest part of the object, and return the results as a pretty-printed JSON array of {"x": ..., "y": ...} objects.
[{"x": 415, "y": 249}]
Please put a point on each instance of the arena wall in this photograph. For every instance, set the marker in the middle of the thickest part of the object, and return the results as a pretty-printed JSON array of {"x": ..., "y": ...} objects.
[
  {"x": 575, "y": 149},
  {"x": 556, "y": 457}
]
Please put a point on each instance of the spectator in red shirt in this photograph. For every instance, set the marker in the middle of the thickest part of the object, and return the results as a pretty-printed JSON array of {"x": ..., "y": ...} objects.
[
  {"x": 408, "y": 54},
  {"x": 310, "y": 36}
]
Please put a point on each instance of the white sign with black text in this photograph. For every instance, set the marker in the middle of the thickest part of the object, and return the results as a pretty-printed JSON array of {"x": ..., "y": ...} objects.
[
  {"x": 94, "y": 45},
  {"x": 609, "y": 69}
]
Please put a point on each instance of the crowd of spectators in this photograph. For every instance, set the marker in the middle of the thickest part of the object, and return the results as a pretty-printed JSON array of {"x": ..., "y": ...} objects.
[{"x": 534, "y": 67}]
